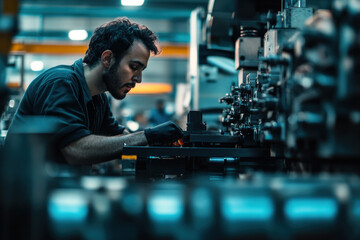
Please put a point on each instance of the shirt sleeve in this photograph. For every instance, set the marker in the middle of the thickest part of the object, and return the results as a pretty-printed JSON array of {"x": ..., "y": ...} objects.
[
  {"x": 60, "y": 99},
  {"x": 110, "y": 126}
]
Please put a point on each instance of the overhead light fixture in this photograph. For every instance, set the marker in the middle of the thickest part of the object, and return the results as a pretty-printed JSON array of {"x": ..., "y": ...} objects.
[
  {"x": 132, "y": 2},
  {"x": 78, "y": 35},
  {"x": 37, "y": 66}
]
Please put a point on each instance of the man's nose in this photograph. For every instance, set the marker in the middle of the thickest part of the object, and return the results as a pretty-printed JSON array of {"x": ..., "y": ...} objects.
[{"x": 137, "y": 78}]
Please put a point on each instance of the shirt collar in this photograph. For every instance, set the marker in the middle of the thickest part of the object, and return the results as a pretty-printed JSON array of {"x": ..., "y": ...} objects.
[{"x": 79, "y": 69}]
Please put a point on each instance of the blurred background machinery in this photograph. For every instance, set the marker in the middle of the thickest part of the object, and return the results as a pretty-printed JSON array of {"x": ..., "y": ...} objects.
[
  {"x": 8, "y": 28},
  {"x": 271, "y": 112},
  {"x": 271, "y": 207}
]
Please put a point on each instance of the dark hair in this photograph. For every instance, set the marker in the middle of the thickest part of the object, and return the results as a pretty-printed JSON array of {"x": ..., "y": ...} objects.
[{"x": 118, "y": 35}]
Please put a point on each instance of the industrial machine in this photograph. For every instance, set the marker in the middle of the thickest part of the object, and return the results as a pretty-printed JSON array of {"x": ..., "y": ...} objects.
[
  {"x": 294, "y": 110},
  {"x": 292, "y": 106},
  {"x": 282, "y": 163}
]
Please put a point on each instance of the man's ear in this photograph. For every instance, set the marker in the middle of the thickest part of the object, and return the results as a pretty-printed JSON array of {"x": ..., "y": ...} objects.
[{"x": 107, "y": 58}]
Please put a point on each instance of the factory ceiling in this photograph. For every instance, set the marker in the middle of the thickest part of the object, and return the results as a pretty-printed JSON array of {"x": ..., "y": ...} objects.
[
  {"x": 152, "y": 3},
  {"x": 150, "y": 8},
  {"x": 39, "y": 19}
]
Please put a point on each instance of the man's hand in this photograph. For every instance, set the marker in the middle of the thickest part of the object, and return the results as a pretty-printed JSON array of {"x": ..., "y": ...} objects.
[{"x": 167, "y": 132}]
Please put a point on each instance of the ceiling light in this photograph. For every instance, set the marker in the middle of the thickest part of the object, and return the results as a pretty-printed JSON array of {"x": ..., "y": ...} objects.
[
  {"x": 132, "y": 2},
  {"x": 37, "y": 66},
  {"x": 78, "y": 35}
]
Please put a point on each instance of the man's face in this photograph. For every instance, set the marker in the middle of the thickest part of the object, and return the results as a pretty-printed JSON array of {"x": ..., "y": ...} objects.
[{"x": 120, "y": 78}]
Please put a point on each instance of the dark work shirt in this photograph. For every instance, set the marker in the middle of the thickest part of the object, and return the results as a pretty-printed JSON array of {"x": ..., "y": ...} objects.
[{"x": 62, "y": 92}]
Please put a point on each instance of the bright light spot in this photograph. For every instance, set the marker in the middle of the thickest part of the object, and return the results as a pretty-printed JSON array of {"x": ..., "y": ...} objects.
[
  {"x": 170, "y": 109},
  {"x": 306, "y": 82},
  {"x": 68, "y": 205},
  {"x": 11, "y": 103},
  {"x": 37, "y": 66},
  {"x": 3, "y": 133},
  {"x": 132, "y": 2},
  {"x": 132, "y": 125},
  {"x": 311, "y": 208},
  {"x": 91, "y": 183},
  {"x": 114, "y": 184},
  {"x": 235, "y": 208},
  {"x": 342, "y": 192},
  {"x": 78, "y": 35},
  {"x": 165, "y": 207}
]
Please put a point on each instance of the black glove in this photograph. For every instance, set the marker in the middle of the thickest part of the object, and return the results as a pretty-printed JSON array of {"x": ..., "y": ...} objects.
[{"x": 167, "y": 132}]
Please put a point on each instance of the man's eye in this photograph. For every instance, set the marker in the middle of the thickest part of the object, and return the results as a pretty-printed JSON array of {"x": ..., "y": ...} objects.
[{"x": 134, "y": 67}]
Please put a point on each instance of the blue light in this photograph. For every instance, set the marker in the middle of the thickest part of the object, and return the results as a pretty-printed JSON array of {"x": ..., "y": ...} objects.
[
  {"x": 69, "y": 206},
  {"x": 60, "y": 212},
  {"x": 165, "y": 206},
  {"x": 236, "y": 208},
  {"x": 214, "y": 159},
  {"x": 311, "y": 208},
  {"x": 221, "y": 159},
  {"x": 67, "y": 212}
]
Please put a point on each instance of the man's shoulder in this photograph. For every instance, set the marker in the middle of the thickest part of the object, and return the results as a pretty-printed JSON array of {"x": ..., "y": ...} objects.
[{"x": 59, "y": 74}]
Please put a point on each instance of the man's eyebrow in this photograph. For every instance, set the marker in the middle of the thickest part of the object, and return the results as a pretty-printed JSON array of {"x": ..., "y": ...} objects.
[{"x": 138, "y": 62}]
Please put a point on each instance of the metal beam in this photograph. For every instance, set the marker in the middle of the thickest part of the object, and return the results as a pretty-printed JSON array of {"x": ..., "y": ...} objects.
[{"x": 106, "y": 12}]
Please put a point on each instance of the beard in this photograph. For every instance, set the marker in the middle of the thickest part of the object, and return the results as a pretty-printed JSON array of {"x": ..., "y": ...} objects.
[{"x": 113, "y": 83}]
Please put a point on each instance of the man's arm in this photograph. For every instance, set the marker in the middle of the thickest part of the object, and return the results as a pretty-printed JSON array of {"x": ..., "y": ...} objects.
[{"x": 94, "y": 149}]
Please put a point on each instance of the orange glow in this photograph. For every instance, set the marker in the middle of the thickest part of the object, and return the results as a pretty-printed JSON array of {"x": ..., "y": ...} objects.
[
  {"x": 58, "y": 49},
  {"x": 152, "y": 88},
  {"x": 13, "y": 85},
  {"x": 174, "y": 51},
  {"x": 128, "y": 157},
  {"x": 167, "y": 51}
]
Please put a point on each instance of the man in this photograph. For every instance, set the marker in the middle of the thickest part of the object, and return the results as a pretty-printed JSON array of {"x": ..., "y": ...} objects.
[{"x": 118, "y": 53}]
